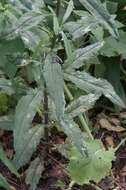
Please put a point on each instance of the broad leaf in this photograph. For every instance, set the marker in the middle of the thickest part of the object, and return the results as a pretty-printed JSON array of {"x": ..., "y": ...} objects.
[
  {"x": 82, "y": 104},
  {"x": 33, "y": 174},
  {"x": 26, "y": 138},
  {"x": 53, "y": 76},
  {"x": 100, "y": 12},
  {"x": 88, "y": 83},
  {"x": 95, "y": 167}
]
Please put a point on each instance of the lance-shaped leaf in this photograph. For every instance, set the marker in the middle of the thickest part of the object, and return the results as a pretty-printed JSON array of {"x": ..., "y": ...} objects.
[
  {"x": 56, "y": 27},
  {"x": 7, "y": 162},
  {"x": 101, "y": 13},
  {"x": 29, "y": 20},
  {"x": 74, "y": 133},
  {"x": 84, "y": 54},
  {"x": 81, "y": 27},
  {"x": 53, "y": 76},
  {"x": 68, "y": 11},
  {"x": 68, "y": 48},
  {"x": 33, "y": 174},
  {"x": 26, "y": 138},
  {"x": 88, "y": 83},
  {"x": 82, "y": 104},
  {"x": 4, "y": 183}
]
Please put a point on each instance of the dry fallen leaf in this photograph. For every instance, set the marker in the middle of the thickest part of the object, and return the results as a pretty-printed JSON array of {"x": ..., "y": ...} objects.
[
  {"x": 109, "y": 141},
  {"x": 104, "y": 123}
]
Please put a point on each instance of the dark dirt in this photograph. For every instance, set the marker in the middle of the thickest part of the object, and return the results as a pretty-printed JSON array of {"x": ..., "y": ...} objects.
[{"x": 55, "y": 167}]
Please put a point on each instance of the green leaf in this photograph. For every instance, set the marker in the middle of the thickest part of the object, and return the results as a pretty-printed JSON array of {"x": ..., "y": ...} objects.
[
  {"x": 88, "y": 83},
  {"x": 56, "y": 27},
  {"x": 7, "y": 162},
  {"x": 68, "y": 11},
  {"x": 81, "y": 104},
  {"x": 100, "y": 12},
  {"x": 53, "y": 76},
  {"x": 95, "y": 167},
  {"x": 84, "y": 54},
  {"x": 81, "y": 27},
  {"x": 68, "y": 48},
  {"x": 4, "y": 183},
  {"x": 74, "y": 133},
  {"x": 29, "y": 20},
  {"x": 113, "y": 47},
  {"x": 33, "y": 174},
  {"x": 26, "y": 137}
]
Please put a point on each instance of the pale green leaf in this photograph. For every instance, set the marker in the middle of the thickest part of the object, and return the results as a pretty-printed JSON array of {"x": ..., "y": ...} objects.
[
  {"x": 68, "y": 11},
  {"x": 56, "y": 27},
  {"x": 113, "y": 47},
  {"x": 29, "y": 20},
  {"x": 84, "y": 54},
  {"x": 98, "y": 10},
  {"x": 81, "y": 104},
  {"x": 88, "y": 83},
  {"x": 26, "y": 138},
  {"x": 68, "y": 48},
  {"x": 33, "y": 174},
  {"x": 53, "y": 76},
  {"x": 94, "y": 168}
]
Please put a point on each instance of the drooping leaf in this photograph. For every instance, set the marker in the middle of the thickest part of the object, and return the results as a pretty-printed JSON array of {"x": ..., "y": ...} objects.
[
  {"x": 7, "y": 162},
  {"x": 68, "y": 11},
  {"x": 26, "y": 137},
  {"x": 53, "y": 76},
  {"x": 74, "y": 133},
  {"x": 4, "y": 183},
  {"x": 101, "y": 13},
  {"x": 33, "y": 174},
  {"x": 82, "y": 104},
  {"x": 94, "y": 168},
  {"x": 88, "y": 83},
  {"x": 83, "y": 54}
]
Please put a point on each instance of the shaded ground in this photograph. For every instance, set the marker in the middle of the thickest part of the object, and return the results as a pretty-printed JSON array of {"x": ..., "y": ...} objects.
[{"x": 55, "y": 176}]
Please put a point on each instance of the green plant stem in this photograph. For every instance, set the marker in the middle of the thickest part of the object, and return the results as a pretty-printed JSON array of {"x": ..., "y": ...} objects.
[{"x": 81, "y": 118}]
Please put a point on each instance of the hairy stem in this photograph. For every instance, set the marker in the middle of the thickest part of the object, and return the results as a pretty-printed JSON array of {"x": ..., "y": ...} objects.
[{"x": 81, "y": 118}]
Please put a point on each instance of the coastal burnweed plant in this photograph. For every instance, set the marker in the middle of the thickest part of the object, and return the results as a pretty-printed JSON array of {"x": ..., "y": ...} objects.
[{"x": 46, "y": 51}]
